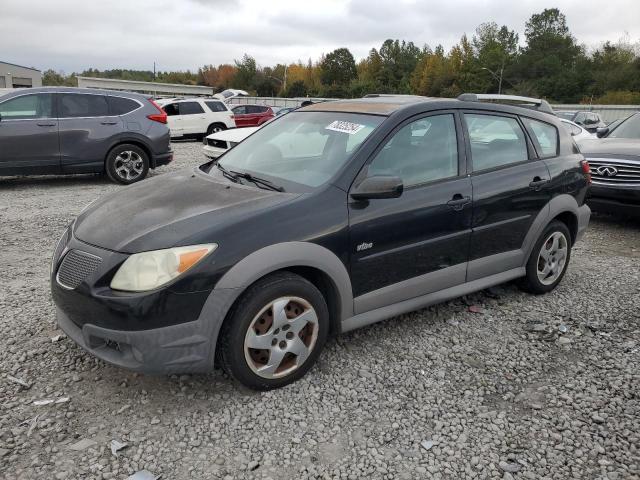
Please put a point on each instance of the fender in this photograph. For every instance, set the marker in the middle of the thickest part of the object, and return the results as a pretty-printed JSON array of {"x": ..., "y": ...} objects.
[{"x": 291, "y": 254}]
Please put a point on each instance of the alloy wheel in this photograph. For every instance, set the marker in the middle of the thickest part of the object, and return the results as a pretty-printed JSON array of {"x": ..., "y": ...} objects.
[
  {"x": 552, "y": 258},
  {"x": 129, "y": 165},
  {"x": 281, "y": 337}
]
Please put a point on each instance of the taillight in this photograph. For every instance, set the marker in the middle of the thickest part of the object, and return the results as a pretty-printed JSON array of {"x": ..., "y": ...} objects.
[
  {"x": 586, "y": 169},
  {"x": 161, "y": 116}
]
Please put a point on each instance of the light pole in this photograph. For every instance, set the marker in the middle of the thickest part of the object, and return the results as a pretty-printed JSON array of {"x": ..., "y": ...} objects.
[{"x": 495, "y": 75}]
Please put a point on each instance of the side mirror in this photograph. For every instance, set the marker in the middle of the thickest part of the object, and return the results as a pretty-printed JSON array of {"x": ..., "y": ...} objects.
[
  {"x": 602, "y": 131},
  {"x": 378, "y": 186}
]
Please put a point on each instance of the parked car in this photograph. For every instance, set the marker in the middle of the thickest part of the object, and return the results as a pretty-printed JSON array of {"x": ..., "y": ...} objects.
[
  {"x": 589, "y": 120},
  {"x": 60, "y": 130},
  {"x": 197, "y": 117},
  {"x": 285, "y": 110},
  {"x": 230, "y": 93},
  {"x": 622, "y": 128},
  {"x": 331, "y": 218},
  {"x": 615, "y": 169},
  {"x": 218, "y": 143},
  {"x": 578, "y": 133},
  {"x": 251, "y": 115}
]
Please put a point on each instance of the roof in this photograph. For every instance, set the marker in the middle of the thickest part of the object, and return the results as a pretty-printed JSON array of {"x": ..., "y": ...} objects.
[
  {"x": 97, "y": 91},
  {"x": 19, "y": 66},
  {"x": 380, "y": 105}
]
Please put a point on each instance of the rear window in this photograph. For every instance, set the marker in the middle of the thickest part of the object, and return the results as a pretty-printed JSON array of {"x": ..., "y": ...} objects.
[
  {"x": 216, "y": 106},
  {"x": 546, "y": 137},
  {"x": 83, "y": 105},
  {"x": 190, "y": 108},
  {"x": 121, "y": 105}
]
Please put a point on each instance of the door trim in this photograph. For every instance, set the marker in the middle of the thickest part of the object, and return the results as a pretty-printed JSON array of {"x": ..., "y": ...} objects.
[
  {"x": 423, "y": 301},
  {"x": 410, "y": 288}
]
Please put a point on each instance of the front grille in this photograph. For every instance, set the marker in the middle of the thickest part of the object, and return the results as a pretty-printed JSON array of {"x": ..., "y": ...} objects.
[
  {"x": 62, "y": 243},
  {"x": 217, "y": 143},
  {"x": 76, "y": 266},
  {"x": 611, "y": 171}
]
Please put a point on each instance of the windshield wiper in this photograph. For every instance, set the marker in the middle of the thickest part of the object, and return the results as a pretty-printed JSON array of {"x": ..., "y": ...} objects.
[
  {"x": 231, "y": 176},
  {"x": 261, "y": 182}
]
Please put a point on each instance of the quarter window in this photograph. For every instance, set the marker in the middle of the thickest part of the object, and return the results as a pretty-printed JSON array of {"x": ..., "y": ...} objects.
[
  {"x": 546, "y": 136},
  {"x": 190, "y": 108},
  {"x": 27, "y": 107},
  {"x": 216, "y": 106},
  {"x": 495, "y": 141},
  {"x": 122, "y": 106},
  {"x": 80, "y": 105},
  {"x": 420, "y": 152}
]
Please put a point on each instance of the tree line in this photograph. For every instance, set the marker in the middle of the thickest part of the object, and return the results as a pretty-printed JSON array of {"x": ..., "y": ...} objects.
[{"x": 550, "y": 64}]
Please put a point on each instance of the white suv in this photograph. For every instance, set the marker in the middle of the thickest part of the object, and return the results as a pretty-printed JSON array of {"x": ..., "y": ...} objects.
[{"x": 196, "y": 117}]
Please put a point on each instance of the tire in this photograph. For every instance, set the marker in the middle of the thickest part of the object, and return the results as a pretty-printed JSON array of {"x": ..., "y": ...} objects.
[
  {"x": 216, "y": 127},
  {"x": 127, "y": 164},
  {"x": 549, "y": 259},
  {"x": 301, "y": 331}
]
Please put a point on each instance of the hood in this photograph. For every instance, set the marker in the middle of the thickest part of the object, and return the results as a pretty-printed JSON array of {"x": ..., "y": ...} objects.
[
  {"x": 611, "y": 146},
  {"x": 233, "y": 134},
  {"x": 169, "y": 210}
]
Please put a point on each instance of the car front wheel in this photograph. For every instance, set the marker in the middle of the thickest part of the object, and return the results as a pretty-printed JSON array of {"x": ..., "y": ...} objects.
[
  {"x": 275, "y": 333},
  {"x": 549, "y": 259}
]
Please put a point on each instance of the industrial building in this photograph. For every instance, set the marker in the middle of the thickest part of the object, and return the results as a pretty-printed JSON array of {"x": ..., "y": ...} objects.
[
  {"x": 17, "y": 76},
  {"x": 153, "y": 88}
]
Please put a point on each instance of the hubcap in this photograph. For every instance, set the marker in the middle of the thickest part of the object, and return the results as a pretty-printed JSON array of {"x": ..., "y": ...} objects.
[
  {"x": 552, "y": 258},
  {"x": 281, "y": 337},
  {"x": 129, "y": 165}
]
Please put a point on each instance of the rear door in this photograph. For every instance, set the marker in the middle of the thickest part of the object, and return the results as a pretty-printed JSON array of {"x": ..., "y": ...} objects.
[
  {"x": 29, "y": 135},
  {"x": 417, "y": 243},
  {"x": 174, "y": 120},
  {"x": 510, "y": 188},
  {"x": 194, "y": 120},
  {"x": 87, "y": 131}
]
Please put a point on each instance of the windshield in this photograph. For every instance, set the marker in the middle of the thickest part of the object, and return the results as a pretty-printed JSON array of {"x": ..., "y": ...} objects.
[
  {"x": 629, "y": 128},
  {"x": 306, "y": 148}
]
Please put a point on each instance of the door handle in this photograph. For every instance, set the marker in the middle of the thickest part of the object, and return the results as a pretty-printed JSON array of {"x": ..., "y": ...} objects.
[
  {"x": 46, "y": 124},
  {"x": 108, "y": 123},
  {"x": 538, "y": 183},
  {"x": 458, "y": 202}
]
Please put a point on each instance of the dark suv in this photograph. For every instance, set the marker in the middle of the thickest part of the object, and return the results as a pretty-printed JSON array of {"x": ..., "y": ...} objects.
[
  {"x": 590, "y": 121},
  {"x": 330, "y": 218},
  {"x": 78, "y": 130}
]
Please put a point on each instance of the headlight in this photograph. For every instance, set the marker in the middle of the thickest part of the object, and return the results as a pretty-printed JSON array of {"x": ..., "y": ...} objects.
[{"x": 149, "y": 270}]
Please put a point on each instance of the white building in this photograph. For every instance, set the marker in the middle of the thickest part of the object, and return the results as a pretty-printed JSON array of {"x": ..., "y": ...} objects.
[
  {"x": 153, "y": 88},
  {"x": 16, "y": 76}
]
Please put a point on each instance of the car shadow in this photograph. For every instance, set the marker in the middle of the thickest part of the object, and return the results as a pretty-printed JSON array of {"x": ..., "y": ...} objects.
[{"x": 54, "y": 180}]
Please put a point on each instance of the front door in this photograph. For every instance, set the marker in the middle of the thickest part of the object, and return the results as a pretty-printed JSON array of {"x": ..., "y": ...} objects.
[
  {"x": 87, "y": 131},
  {"x": 240, "y": 116},
  {"x": 29, "y": 135},
  {"x": 417, "y": 243},
  {"x": 174, "y": 120},
  {"x": 509, "y": 190}
]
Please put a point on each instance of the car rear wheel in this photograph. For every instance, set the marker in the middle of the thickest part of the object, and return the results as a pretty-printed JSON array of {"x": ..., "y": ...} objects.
[
  {"x": 215, "y": 128},
  {"x": 549, "y": 259},
  {"x": 127, "y": 164},
  {"x": 275, "y": 333}
]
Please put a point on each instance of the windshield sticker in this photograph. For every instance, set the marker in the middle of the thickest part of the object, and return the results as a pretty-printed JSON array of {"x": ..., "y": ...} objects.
[{"x": 345, "y": 127}]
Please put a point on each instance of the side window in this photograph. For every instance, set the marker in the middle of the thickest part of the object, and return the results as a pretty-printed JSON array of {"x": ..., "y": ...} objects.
[
  {"x": 216, "y": 106},
  {"x": 580, "y": 117},
  {"x": 190, "y": 108},
  {"x": 28, "y": 107},
  {"x": 241, "y": 110},
  {"x": 571, "y": 128},
  {"x": 546, "y": 136},
  {"x": 81, "y": 105},
  {"x": 121, "y": 105},
  {"x": 171, "y": 109},
  {"x": 422, "y": 151},
  {"x": 495, "y": 141}
]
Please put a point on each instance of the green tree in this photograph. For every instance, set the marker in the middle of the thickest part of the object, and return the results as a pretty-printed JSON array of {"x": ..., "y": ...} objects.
[
  {"x": 338, "y": 68},
  {"x": 246, "y": 70},
  {"x": 496, "y": 50},
  {"x": 296, "y": 89},
  {"x": 51, "y": 78}
]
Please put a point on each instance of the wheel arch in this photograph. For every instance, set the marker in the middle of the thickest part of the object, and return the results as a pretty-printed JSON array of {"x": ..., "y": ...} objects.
[{"x": 129, "y": 141}]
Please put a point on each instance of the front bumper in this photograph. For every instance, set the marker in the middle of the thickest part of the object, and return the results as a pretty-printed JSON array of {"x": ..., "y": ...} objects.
[
  {"x": 213, "y": 152},
  {"x": 623, "y": 200},
  {"x": 151, "y": 332}
]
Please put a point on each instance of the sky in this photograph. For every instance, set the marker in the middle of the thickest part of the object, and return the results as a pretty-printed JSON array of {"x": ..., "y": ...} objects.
[{"x": 73, "y": 35}]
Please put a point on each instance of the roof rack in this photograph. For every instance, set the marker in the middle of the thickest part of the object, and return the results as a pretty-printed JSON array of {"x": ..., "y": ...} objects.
[{"x": 527, "y": 102}]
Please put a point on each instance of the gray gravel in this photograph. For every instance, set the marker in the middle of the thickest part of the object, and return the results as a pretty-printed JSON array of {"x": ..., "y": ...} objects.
[{"x": 521, "y": 387}]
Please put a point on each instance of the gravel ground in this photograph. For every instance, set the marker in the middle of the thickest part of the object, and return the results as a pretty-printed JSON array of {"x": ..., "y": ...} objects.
[{"x": 516, "y": 387}]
